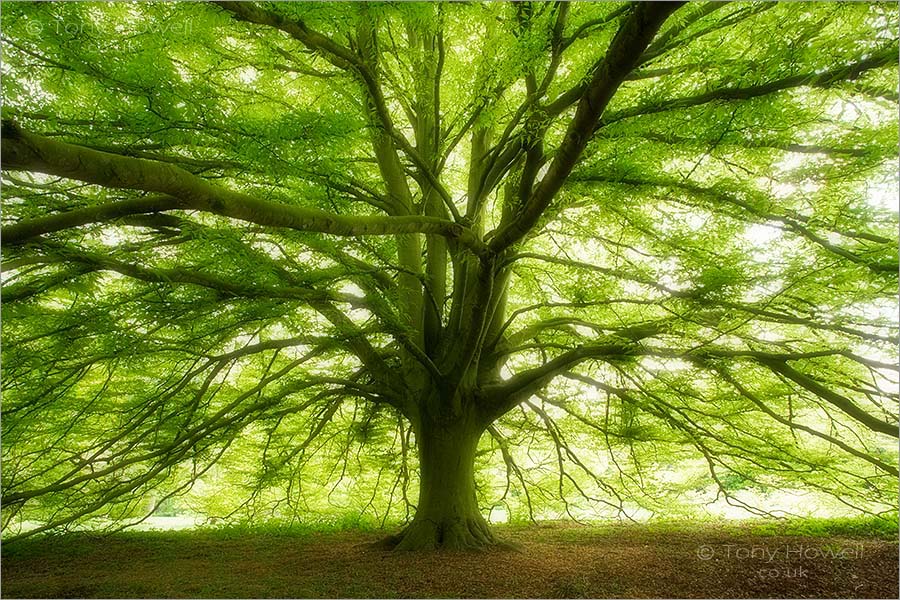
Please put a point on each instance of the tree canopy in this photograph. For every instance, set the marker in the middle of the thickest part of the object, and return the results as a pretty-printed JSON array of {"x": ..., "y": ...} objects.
[{"x": 541, "y": 253}]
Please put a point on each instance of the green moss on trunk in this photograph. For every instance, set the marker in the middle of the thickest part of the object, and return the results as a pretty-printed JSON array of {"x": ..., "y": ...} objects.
[{"x": 447, "y": 514}]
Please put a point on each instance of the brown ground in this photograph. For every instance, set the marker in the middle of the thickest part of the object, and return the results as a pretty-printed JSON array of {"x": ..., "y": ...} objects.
[{"x": 552, "y": 562}]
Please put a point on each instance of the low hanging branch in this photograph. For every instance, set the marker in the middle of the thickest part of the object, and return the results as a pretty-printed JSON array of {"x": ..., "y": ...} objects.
[{"x": 23, "y": 151}]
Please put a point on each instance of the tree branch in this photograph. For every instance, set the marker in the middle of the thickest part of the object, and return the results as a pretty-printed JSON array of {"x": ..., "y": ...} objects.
[
  {"x": 632, "y": 38},
  {"x": 891, "y": 469},
  {"x": 844, "y": 404},
  {"x": 23, "y": 151},
  {"x": 884, "y": 57}
]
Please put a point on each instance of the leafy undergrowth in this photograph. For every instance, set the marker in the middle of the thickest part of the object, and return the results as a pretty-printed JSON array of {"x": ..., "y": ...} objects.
[{"x": 838, "y": 559}]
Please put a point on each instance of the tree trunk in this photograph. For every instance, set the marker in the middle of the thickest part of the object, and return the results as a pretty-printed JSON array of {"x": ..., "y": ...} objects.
[{"x": 447, "y": 515}]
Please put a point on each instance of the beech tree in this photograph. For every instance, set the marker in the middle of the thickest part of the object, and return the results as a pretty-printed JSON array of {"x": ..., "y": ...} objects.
[{"x": 260, "y": 229}]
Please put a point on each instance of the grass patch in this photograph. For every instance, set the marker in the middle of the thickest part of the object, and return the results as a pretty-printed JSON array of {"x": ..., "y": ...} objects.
[
  {"x": 865, "y": 527},
  {"x": 882, "y": 528},
  {"x": 341, "y": 524}
]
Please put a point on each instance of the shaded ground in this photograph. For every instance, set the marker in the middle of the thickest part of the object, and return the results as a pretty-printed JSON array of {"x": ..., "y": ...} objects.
[{"x": 554, "y": 561}]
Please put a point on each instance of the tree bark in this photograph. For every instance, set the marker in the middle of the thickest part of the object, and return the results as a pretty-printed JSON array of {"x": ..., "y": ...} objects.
[{"x": 447, "y": 515}]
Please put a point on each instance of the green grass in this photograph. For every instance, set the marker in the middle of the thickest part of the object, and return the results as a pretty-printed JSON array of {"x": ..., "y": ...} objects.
[
  {"x": 277, "y": 529},
  {"x": 871, "y": 527},
  {"x": 883, "y": 528}
]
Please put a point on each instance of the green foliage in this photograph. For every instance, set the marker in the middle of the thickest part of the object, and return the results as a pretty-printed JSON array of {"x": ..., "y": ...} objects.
[{"x": 701, "y": 314}]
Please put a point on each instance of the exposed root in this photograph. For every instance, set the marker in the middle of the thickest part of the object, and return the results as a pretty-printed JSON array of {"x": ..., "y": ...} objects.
[
  {"x": 388, "y": 543},
  {"x": 458, "y": 534}
]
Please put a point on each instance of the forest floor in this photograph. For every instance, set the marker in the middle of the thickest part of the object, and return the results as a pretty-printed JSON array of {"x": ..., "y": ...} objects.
[{"x": 552, "y": 561}]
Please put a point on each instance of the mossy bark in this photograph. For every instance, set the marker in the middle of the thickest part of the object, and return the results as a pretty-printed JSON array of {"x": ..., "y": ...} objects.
[{"x": 447, "y": 515}]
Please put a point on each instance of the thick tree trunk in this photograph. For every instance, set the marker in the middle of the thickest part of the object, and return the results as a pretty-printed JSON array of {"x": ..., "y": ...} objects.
[{"x": 447, "y": 514}]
